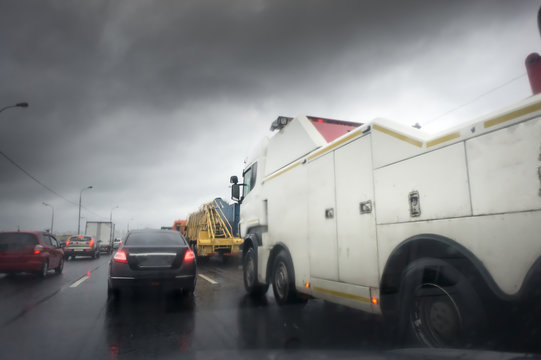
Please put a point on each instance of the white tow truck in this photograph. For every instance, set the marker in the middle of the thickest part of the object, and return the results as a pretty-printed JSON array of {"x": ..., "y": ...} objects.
[{"x": 438, "y": 232}]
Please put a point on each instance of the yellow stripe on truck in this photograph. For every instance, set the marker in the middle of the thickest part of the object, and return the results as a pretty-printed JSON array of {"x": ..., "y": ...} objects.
[
  {"x": 398, "y": 136},
  {"x": 443, "y": 139},
  {"x": 327, "y": 149},
  {"x": 341, "y": 294},
  {"x": 282, "y": 171},
  {"x": 512, "y": 115}
]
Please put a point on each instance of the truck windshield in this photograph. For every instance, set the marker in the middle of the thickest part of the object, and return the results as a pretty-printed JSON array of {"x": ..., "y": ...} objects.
[{"x": 249, "y": 179}]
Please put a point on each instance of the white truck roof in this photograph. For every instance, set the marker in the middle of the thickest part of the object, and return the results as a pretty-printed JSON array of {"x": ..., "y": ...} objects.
[{"x": 392, "y": 141}]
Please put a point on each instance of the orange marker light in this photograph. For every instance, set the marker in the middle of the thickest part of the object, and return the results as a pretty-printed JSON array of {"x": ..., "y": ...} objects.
[
  {"x": 374, "y": 301},
  {"x": 307, "y": 285}
]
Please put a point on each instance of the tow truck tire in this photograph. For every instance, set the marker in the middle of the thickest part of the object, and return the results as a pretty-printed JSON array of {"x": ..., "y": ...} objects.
[
  {"x": 440, "y": 307},
  {"x": 249, "y": 269},
  {"x": 283, "y": 282}
]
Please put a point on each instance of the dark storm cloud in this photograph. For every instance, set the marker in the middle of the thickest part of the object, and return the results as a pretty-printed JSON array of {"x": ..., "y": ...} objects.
[{"x": 123, "y": 91}]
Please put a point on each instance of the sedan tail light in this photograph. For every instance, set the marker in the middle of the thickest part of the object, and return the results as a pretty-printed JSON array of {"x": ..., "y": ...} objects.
[
  {"x": 189, "y": 255},
  {"x": 67, "y": 242},
  {"x": 121, "y": 257},
  {"x": 38, "y": 249}
]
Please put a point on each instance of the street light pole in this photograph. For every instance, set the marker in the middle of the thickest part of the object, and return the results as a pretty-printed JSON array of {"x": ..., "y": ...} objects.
[
  {"x": 22, "y": 105},
  {"x": 112, "y": 226},
  {"x": 52, "y": 217},
  {"x": 129, "y": 224},
  {"x": 79, "y": 217}
]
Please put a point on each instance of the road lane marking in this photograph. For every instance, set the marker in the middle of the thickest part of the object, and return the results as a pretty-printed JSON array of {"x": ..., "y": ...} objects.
[
  {"x": 208, "y": 279},
  {"x": 80, "y": 281}
]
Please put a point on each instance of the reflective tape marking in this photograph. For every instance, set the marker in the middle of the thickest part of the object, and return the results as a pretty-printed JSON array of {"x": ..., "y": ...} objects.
[
  {"x": 398, "y": 136},
  {"x": 341, "y": 294}
]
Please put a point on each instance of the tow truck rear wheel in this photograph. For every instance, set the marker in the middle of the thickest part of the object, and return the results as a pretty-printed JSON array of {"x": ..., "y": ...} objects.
[
  {"x": 249, "y": 267},
  {"x": 440, "y": 307}
]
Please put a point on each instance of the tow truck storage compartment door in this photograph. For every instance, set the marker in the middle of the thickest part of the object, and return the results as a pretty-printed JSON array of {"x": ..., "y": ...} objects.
[
  {"x": 505, "y": 169},
  {"x": 355, "y": 214}
]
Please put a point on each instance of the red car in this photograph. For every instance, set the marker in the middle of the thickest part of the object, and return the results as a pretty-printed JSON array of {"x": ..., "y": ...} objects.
[{"x": 30, "y": 251}]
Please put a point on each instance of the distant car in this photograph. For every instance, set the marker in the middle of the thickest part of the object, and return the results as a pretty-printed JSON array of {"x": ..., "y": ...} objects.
[
  {"x": 30, "y": 251},
  {"x": 81, "y": 245},
  {"x": 117, "y": 243},
  {"x": 158, "y": 259}
]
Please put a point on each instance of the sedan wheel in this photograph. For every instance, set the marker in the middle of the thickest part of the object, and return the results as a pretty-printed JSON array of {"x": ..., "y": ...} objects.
[
  {"x": 44, "y": 269},
  {"x": 60, "y": 266}
]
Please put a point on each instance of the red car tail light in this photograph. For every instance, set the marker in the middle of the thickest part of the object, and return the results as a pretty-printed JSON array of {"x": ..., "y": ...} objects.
[
  {"x": 67, "y": 242},
  {"x": 189, "y": 255},
  {"x": 121, "y": 257},
  {"x": 38, "y": 249},
  {"x": 91, "y": 242}
]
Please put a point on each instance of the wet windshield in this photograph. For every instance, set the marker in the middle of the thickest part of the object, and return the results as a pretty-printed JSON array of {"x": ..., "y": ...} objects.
[{"x": 385, "y": 158}]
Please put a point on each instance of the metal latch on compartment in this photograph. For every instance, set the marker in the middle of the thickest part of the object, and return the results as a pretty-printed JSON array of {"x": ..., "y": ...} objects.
[
  {"x": 366, "y": 207},
  {"x": 415, "y": 203},
  {"x": 329, "y": 213}
]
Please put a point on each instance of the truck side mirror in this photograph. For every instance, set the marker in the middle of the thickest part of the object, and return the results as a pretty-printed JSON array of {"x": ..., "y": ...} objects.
[
  {"x": 235, "y": 192},
  {"x": 233, "y": 180}
]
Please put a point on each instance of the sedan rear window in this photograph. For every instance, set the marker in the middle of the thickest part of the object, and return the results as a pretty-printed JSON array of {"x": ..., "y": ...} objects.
[
  {"x": 16, "y": 241},
  {"x": 81, "y": 238},
  {"x": 154, "y": 238}
]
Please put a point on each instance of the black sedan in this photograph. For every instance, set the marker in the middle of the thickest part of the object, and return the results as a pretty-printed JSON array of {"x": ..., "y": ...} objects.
[{"x": 158, "y": 259}]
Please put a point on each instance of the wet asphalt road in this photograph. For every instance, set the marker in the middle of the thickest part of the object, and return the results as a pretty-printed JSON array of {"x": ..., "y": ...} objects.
[{"x": 68, "y": 316}]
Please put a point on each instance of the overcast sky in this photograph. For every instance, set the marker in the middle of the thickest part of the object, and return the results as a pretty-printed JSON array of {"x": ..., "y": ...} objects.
[{"x": 156, "y": 103}]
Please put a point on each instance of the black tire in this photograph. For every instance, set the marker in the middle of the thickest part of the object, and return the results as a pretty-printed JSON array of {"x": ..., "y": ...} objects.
[
  {"x": 439, "y": 306},
  {"x": 60, "y": 267},
  {"x": 283, "y": 280},
  {"x": 44, "y": 269},
  {"x": 249, "y": 270},
  {"x": 112, "y": 293},
  {"x": 188, "y": 291}
]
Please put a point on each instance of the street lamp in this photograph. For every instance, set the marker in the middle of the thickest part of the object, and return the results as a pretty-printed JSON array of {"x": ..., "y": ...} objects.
[
  {"x": 79, "y": 217},
  {"x": 129, "y": 224},
  {"x": 52, "y": 217},
  {"x": 111, "y": 221},
  {"x": 22, "y": 105}
]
